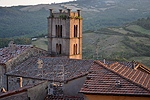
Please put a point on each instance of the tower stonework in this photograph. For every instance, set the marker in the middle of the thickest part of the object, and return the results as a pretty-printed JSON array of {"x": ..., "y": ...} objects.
[{"x": 65, "y": 34}]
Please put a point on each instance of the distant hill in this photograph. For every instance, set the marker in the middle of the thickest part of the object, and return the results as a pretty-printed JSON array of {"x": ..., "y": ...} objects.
[
  {"x": 124, "y": 43},
  {"x": 29, "y": 21}
]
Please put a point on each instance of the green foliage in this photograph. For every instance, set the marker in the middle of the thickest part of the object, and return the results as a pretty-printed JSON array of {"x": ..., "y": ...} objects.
[
  {"x": 144, "y": 22},
  {"x": 64, "y": 17},
  {"x": 22, "y": 41},
  {"x": 78, "y": 17},
  {"x": 15, "y": 23}
]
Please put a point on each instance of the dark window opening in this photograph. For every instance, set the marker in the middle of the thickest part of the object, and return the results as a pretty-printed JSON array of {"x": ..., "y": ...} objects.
[
  {"x": 58, "y": 49},
  {"x": 75, "y": 51},
  {"x": 75, "y": 30},
  {"x": 58, "y": 30}
]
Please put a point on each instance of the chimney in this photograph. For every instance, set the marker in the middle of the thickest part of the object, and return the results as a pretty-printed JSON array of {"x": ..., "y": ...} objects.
[
  {"x": 12, "y": 47},
  {"x": 104, "y": 61},
  {"x": 79, "y": 13},
  {"x": 19, "y": 80},
  {"x": 69, "y": 12},
  {"x": 61, "y": 11},
  {"x": 51, "y": 12},
  {"x": 133, "y": 64}
]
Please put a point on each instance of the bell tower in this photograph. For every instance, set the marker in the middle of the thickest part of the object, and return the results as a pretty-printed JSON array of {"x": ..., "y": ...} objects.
[{"x": 65, "y": 34}]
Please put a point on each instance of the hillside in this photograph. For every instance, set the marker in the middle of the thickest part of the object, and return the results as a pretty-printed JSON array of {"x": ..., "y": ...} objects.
[
  {"x": 125, "y": 43},
  {"x": 29, "y": 21}
]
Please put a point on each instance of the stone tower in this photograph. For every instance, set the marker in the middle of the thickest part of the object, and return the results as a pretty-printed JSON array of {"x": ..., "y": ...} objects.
[{"x": 65, "y": 34}]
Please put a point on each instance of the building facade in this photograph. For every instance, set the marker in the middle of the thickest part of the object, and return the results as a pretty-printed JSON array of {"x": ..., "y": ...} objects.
[{"x": 65, "y": 34}]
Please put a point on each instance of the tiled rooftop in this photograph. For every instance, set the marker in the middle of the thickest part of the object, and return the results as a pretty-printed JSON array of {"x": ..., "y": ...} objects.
[
  {"x": 129, "y": 64},
  {"x": 116, "y": 79},
  {"x": 6, "y": 55},
  {"x": 52, "y": 68},
  {"x": 137, "y": 66},
  {"x": 21, "y": 89},
  {"x": 63, "y": 98}
]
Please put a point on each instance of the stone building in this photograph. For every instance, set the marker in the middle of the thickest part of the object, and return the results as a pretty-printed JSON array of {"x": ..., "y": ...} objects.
[
  {"x": 29, "y": 72},
  {"x": 74, "y": 74},
  {"x": 65, "y": 34},
  {"x": 14, "y": 55}
]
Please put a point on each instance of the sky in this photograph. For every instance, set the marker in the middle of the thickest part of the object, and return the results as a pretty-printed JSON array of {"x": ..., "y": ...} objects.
[{"x": 29, "y": 2}]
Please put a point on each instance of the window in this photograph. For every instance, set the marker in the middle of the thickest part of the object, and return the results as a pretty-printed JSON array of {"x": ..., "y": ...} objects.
[
  {"x": 58, "y": 30},
  {"x": 75, "y": 49},
  {"x": 58, "y": 48},
  {"x": 75, "y": 30}
]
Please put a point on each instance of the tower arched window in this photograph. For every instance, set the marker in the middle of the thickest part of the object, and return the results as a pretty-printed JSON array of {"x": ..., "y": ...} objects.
[
  {"x": 75, "y": 30},
  {"x": 75, "y": 51},
  {"x": 58, "y": 30},
  {"x": 58, "y": 48}
]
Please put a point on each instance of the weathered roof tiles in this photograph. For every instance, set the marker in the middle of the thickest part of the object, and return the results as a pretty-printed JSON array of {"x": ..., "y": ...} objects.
[
  {"x": 52, "y": 68},
  {"x": 5, "y": 55}
]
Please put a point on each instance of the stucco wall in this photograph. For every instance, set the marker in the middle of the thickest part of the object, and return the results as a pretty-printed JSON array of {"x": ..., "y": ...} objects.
[
  {"x": 38, "y": 92},
  {"x": 107, "y": 97},
  {"x": 73, "y": 87}
]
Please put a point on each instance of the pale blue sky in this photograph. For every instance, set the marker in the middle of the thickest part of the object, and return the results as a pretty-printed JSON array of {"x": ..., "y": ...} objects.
[{"x": 29, "y": 2}]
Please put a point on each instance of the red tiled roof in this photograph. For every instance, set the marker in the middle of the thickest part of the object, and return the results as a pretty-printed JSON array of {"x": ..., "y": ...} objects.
[
  {"x": 103, "y": 80},
  {"x": 19, "y": 90},
  {"x": 5, "y": 55},
  {"x": 51, "y": 97},
  {"x": 52, "y": 68},
  {"x": 138, "y": 65}
]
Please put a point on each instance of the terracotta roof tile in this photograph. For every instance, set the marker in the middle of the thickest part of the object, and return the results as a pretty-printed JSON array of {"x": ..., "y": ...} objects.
[{"x": 105, "y": 79}]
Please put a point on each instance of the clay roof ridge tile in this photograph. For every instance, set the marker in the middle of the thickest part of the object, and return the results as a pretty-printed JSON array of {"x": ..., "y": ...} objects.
[{"x": 147, "y": 88}]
